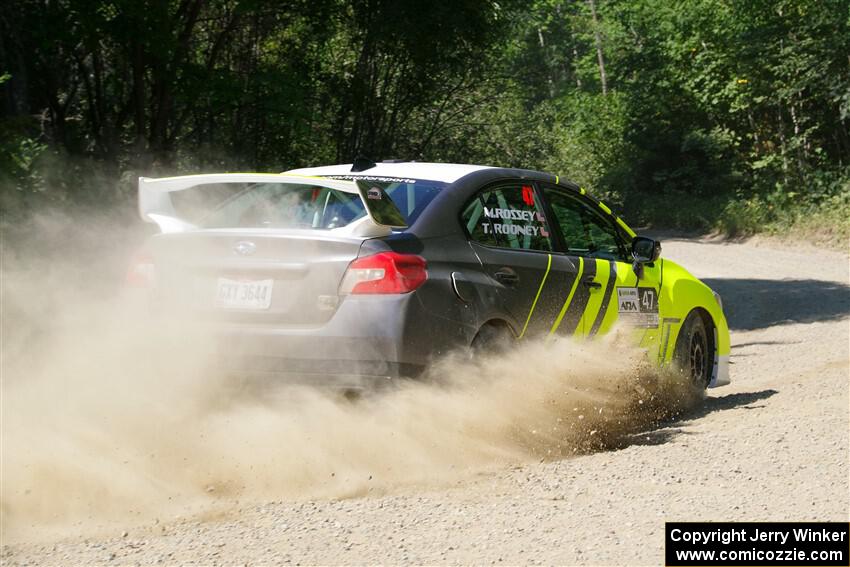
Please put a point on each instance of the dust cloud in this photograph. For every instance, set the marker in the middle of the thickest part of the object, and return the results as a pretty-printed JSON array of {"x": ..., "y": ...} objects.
[{"x": 110, "y": 414}]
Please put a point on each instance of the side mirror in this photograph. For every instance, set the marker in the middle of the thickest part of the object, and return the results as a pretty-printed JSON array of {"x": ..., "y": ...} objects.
[{"x": 645, "y": 250}]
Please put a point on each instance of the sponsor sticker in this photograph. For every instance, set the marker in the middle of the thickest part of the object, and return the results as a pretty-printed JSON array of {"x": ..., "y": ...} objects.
[
  {"x": 372, "y": 178},
  {"x": 528, "y": 195},
  {"x": 627, "y": 300},
  {"x": 638, "y": 306}
]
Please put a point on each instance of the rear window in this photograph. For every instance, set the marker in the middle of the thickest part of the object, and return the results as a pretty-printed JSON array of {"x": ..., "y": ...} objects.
[
  {"x": 283, "y": 205},
  {"x": 410, "y": 196}
]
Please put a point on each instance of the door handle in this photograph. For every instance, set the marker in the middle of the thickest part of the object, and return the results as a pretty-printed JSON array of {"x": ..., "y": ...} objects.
[
  {"x": 588, "y": 281},
  {"x": 507, "y": 276}
]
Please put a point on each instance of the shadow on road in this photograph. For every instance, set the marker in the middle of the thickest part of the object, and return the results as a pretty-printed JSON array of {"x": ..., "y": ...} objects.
[
  {"x": 669, "y": 430},
  {"x": 744, "y": 400},
  {"x": 755, "y": 304}
]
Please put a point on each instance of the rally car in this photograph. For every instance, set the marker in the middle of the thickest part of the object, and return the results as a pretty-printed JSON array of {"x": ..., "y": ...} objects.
[{"x": 358, "y": 273}]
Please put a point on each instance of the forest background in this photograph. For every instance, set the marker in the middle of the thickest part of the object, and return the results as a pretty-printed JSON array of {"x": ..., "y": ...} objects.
[{"x": 728, "y": 115}]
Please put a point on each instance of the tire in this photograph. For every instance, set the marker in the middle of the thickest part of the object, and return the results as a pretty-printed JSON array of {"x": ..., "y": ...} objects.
[
  {"x": 694, "y": 353},
  {"x": 492, "y": 339}
]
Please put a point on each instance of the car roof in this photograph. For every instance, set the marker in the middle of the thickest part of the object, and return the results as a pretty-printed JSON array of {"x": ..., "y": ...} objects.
[
  {"x": 445, "y": 172},
  {"x": 449, "y": 173}
]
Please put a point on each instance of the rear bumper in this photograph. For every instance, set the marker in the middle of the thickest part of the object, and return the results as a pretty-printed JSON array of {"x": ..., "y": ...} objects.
[
  {"x": 338, "y": 374},
  {"x": 369, "y": 340}
]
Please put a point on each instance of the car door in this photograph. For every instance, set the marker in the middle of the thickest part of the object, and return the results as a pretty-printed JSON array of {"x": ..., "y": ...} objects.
[
  {"x": 509, "y": 232},
  {"x": 610, "y": 292}
]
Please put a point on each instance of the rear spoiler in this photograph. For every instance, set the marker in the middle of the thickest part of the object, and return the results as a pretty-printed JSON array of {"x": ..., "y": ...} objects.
[{"x": 155, "y": 205}]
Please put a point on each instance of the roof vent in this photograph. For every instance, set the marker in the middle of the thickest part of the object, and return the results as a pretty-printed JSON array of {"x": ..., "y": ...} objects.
[{"x": 362, "y": 164}]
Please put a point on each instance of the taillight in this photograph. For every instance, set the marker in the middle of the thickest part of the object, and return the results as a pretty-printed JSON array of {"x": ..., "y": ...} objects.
[
  {"x": 386, "y": 272},
  {"x": 141, "y": 272}
]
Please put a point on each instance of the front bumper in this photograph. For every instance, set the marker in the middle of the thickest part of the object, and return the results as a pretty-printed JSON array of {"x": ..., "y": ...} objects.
[{"x": 720, "y": 374}]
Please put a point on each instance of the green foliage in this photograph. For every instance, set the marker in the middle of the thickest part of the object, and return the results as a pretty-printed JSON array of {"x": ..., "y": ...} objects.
[
  {"x": 730, "y": 114},
  {"x": 820, "y": 198},
  {"x": 23, "y": 157},
  {"x": 20, "y": 176},
  {"x": 591, "y": 146}
]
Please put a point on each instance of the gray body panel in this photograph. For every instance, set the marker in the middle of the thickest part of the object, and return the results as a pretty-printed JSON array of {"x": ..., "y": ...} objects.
[{"x": 363, "y": 339}]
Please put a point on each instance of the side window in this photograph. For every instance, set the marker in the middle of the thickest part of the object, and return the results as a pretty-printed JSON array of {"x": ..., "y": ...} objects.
[
  {"x": 507, "y": 216},
  {"x": 586, "y": 232}
]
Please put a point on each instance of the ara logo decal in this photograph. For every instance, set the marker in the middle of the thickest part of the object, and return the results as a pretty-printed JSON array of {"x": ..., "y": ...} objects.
[{"x": 627, "y": 299}]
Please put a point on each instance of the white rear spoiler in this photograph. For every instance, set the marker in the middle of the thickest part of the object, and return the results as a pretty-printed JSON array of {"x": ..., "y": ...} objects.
[{"x": 155, "y": 203}]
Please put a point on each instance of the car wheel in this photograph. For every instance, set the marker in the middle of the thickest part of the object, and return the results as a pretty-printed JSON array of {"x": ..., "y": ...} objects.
[
  {"x": 694, "y": 350},
  {"x": 492, "y": 339}
]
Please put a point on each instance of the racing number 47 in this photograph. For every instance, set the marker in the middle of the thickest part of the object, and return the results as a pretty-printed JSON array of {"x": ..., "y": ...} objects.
[{"x": 647, "y": 299}]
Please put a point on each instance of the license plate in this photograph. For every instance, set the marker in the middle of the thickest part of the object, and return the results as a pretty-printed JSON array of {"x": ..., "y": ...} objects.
[{"x": 244, "y": 294}]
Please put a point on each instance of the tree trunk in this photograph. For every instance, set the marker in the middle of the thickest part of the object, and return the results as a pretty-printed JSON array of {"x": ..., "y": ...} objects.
[
  {"x": 575, "y": 67},
  {"x": 783, "y": 143},
  {"x": 139, "y": 94},
  {"x": 602, "y": 77}
]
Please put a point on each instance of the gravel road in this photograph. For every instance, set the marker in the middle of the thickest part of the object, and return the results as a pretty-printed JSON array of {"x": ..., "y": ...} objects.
[{"x": 772, "y": 446}]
